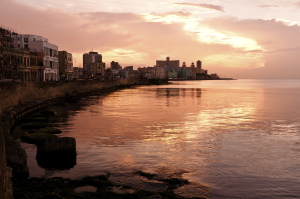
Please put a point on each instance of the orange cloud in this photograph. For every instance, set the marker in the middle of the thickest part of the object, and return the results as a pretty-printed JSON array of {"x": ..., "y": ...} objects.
[
  {"x": 226, "y": 45},
  {"x": 203, "y": 6}
]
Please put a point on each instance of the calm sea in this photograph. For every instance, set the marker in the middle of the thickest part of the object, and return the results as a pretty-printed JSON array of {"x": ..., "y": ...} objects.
[{"x": 230, "y": 139}]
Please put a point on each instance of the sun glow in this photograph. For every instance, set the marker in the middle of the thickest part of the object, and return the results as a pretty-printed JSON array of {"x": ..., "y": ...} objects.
[{"x": 124, "y": 53}]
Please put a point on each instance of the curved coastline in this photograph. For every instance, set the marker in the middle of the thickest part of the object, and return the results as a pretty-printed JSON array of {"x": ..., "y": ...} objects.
[{"x": 20, "y": 99}]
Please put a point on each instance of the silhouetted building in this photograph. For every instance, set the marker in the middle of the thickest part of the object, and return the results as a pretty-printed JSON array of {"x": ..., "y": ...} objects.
[
  {"x": 88, "y": 59},
  {"x": 199, "y": 66},
  {"x": 77, "y": 73},
  {"x": 98, "y": 69},
  {"x": 214, "y": 76},
  {"x": 115, "y": 65},
  {"x": 129, "y": 68},
  {"x": 65, "y": 65},
  {"x": 168, "y": 62}
]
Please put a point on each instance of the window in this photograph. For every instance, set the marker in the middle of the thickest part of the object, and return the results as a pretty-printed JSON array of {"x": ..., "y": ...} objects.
[
  {"x": 34, "y": 39},
  {"x": 25, "y": 45},
  {"x": 26, "y": 40},
  {"x": 51, "y": 53},
  {"x": 50, "y": 64}
]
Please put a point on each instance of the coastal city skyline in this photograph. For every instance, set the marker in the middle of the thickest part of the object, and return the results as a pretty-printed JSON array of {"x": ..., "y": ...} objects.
[
  {"x": 27, "y": 57},
  {"x": 225, "y": 35}
]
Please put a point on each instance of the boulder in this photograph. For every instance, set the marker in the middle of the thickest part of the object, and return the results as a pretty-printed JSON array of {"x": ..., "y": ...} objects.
[
  {"x": 50, "y": 130},
  {"x": 37, "y": 137},
  {"x": 36, "y": 125},
  {"x": 48, "y": 113},
  {"x": 35, "y": 119},
  {"x": 57, "y": 153}
]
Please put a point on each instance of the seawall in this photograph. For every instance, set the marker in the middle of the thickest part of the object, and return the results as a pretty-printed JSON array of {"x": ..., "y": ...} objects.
[{"x": 19, "y": 99}]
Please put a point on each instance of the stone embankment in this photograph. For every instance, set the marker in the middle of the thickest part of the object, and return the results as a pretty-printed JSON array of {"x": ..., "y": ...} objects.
[{"x": 20, "y": 99}]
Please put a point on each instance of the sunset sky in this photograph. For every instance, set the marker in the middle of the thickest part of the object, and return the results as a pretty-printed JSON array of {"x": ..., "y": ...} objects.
[{"x": 234, "y": 38}]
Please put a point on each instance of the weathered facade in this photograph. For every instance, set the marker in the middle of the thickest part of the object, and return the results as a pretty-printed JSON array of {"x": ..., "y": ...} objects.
[
  {"x": 65, "y": 65},
  {"x": 78, "y": 73},
  {"x": 98, "y": 69},
  {"x": 168, "y": 62},
  {"x": 88, "y": 59},
  {"x": 115, "y": 65},
  {"x": 38, "y": 44}
]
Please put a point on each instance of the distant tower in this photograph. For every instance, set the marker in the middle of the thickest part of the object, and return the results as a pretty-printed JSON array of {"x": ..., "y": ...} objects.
[
  {"x": 183, "y": 65},
  {"x": 168, "y": 61},
  {"x": 88, "y": 59},
  {"x": 193, "y": 65},
  {"x": 199, "y": 66}
]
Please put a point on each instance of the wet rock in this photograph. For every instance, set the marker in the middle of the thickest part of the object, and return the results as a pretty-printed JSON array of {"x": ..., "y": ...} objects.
[
  {"x": 16, "y": 158},
  {"x": 61, "y": 104},
  {"x": 35, "y": 119},
  {"x": 36, "y": 125},
  {"x": 37, "y": 137},
  {"x": 57, "y": 153},
  {"x": 48, "y": 113},
  {"x": 85, "y": 189},
  {"x": 149, "y": 176},
  {"x": 8, "y": 189},
  {"x": 50, "y": 130}
]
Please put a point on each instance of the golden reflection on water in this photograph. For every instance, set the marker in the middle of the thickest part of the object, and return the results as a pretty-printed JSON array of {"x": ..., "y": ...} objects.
[{"x": 234, "y": 139}]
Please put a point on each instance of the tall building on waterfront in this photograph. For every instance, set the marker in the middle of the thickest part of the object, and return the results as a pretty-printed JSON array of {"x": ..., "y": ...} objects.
[
  {"x": 88, "y": 59},
  {"x": 115, "y": 65},
  {"x": 199, "y": 66},
  {"x": 168, "y": 62},
  {"x": 65, "y": 65},
  {"x": 39, "y": 45}
]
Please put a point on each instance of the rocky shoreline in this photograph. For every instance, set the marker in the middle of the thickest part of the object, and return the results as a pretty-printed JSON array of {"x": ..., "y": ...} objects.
[{"x": 16, "y": 170}]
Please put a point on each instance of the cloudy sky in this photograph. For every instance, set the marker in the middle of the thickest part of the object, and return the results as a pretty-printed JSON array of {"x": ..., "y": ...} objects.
[{"x": 234, "y": 38}]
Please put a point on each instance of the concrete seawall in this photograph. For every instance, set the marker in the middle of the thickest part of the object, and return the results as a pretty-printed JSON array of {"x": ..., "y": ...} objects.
[{"x": 20, "y": 99}]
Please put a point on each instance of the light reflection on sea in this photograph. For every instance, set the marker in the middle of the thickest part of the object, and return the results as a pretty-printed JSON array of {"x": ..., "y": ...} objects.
[{"x": 238, "y": 138}]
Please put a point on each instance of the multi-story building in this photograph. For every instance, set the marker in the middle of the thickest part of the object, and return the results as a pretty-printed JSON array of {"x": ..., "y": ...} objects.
[
  {"x": 115, "y": 65},
  {"x": 6, "y": 70},
  {"x": 40, "y": 44},
  {"x": 173, "y": 73},
  {"x": 214, "y": 76},
  {"x": 17, "y": 63},
  {"x": 202, "y": 71},
  {"x": 129, "y": 68},
  {"x": 88, "y": 60},
  {"x": 168, "y": 62},
  {"x": 124, "y": 73},
  {"x": 98, "y": 69},
  {"x": 199, "y": 66},
  {"x": 65, "y": 65},
  {"x": 77, "y": 73},
  {"x": 185, "y": 73},
  {"x": 160, "y": 72},
  {"x": 142, "y": 70}
]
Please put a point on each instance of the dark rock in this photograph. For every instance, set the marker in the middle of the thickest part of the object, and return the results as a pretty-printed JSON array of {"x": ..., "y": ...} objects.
[
  {"x": 16, "y": 158},
  {"x": 57, "y": 153},
  {"x": 50, "y": 130},
  {"x": 35, "y": 119},
  {"x": 36, "y": 125},
  {"x": 37, "y": 137},
  {"x": 50, "y": 113},
  {"x": 61, "y": 104}
]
